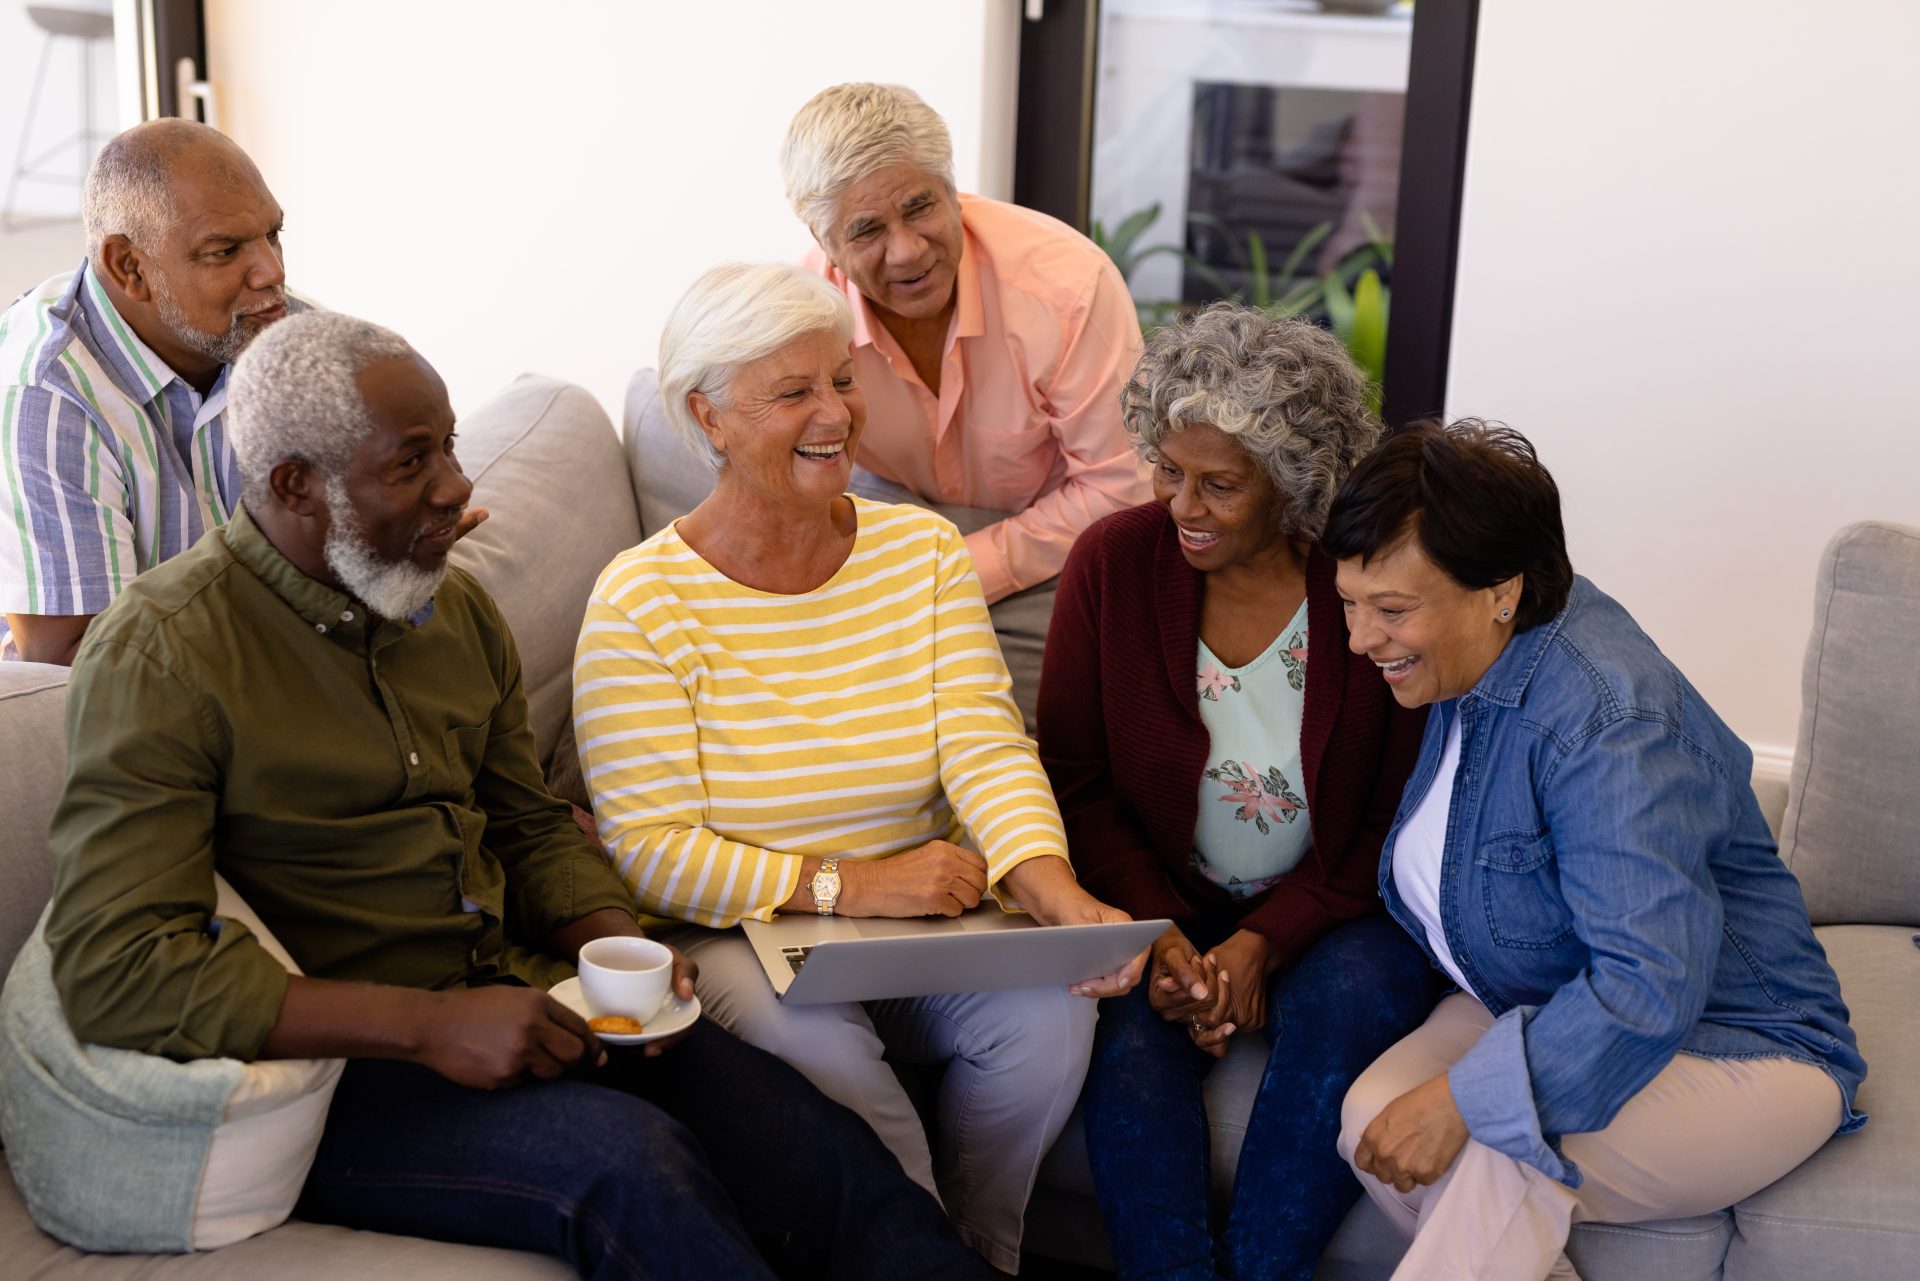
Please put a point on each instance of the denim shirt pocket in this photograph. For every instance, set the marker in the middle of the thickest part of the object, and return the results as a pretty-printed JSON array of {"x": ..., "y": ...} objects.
[{"x": 1520, "y": 890}]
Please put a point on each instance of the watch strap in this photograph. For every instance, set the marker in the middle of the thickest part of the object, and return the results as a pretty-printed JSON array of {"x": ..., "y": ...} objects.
[{"x": 827, "y": 879}]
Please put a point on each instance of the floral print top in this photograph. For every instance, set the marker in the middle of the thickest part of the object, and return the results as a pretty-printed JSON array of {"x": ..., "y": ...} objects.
[{"x": 1252, "y": 827}]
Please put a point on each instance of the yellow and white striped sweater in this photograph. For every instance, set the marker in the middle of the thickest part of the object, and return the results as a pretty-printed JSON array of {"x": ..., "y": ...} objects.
[{"x": 727, "y": 732}]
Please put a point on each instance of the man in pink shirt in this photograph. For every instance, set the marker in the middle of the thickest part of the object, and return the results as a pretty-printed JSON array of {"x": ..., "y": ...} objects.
[{"x": 991, "y": 342}]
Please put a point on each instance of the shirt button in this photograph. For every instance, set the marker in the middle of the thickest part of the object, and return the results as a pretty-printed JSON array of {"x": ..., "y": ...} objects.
[
  {"x": 413, "y": 758},
  {"x": 346, "y": 616},
  {"x": 321, "y": 628}
]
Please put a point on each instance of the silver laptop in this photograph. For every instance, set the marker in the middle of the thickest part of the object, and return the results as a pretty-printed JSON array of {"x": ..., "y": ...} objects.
[{"x": 812, "y": 960}]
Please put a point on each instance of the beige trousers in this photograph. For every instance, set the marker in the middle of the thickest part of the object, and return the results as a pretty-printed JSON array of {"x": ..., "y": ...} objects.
[{"x": 1702, "y": 1135}]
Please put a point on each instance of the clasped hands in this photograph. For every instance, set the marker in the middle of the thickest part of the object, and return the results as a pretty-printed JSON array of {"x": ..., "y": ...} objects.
[{"x": 1215, "y": 995}]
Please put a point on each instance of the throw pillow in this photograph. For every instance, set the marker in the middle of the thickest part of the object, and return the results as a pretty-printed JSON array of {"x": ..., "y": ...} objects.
[{"x": 115, "y": 1150}]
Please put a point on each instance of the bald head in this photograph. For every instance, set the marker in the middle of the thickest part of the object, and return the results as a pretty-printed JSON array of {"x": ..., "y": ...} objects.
[{"x": 132, "y": 189}]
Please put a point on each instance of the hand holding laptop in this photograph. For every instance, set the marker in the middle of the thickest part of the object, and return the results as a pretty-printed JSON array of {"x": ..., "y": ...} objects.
[{"x": 1046, "y": 887}]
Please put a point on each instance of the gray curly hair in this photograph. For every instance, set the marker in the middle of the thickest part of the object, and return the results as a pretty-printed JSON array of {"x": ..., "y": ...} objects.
[
  {"x": 849, "y": 131},
  {"x": 1282, "y": 387},
  {"x": 294, "y": 393}
]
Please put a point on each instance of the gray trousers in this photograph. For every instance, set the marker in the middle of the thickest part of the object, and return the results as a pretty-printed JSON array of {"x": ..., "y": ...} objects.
[{"x": 1014, "y": 1063}]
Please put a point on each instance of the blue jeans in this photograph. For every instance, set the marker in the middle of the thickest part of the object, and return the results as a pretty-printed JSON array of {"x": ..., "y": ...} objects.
[
  {"x": 713, "y": 1160},
  {"x": 1351, "y": 996}
]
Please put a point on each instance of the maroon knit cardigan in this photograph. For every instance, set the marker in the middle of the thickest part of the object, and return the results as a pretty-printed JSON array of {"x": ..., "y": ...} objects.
[{"x": 1122, "y": 741}]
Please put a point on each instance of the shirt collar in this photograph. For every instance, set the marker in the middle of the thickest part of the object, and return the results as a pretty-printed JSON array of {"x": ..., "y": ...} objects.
[
  {"x": 1506, "y": 681},
  {"x": 327, "y": 610},
  {"x": 969, "y": 318},
  {"x": 133, "y": 365}
]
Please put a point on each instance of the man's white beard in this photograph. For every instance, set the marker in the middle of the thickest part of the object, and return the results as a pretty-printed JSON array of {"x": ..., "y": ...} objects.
[{"x": 396, "y": 589}]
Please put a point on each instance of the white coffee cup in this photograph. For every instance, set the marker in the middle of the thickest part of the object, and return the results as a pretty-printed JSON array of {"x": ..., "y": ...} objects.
[{"x": 628, "y": 977}]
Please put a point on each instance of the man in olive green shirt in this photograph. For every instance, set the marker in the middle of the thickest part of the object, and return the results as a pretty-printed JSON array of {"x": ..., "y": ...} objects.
[{"x": 312, "y": 703}]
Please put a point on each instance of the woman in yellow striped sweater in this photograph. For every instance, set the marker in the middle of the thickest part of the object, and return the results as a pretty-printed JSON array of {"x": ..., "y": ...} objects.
[{"x": 791, "y": 687}]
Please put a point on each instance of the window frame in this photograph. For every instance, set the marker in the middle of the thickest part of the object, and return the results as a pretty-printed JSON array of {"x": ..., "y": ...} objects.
[{"x": 1053, "y": 164}]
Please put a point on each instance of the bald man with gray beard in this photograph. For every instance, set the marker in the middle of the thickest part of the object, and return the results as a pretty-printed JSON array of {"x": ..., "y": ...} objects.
[{"x": 113, "y": 443}]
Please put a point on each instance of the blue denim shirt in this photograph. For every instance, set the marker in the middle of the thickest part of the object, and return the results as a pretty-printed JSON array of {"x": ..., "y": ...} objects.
[{"x": 1610, "y": 888}]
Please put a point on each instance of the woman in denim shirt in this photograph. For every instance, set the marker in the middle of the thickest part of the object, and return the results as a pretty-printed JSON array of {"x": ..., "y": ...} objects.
[
  {"x": 1646, "y": 1027},
  {"x": 1222, "y": 760}
]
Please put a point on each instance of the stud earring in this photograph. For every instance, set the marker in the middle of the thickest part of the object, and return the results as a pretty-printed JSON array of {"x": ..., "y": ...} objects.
[{"x": 1505, "y": 614}]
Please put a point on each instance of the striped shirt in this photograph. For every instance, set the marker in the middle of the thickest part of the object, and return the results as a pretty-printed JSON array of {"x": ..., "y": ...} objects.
[
  {"x": 726, "y": 733},
  {"x": 109, "y": 461}
]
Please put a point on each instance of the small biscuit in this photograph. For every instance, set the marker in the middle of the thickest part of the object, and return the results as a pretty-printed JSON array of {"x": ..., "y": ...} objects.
[{"x": 617, "y": 1025}]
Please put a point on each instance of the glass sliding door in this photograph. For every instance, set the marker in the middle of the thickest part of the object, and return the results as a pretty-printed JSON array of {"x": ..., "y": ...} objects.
[{"x": 1300, "y": 155}]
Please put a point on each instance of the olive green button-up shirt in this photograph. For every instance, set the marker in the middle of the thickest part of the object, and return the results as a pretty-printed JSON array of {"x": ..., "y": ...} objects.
[{"x": 372, "y": 792}]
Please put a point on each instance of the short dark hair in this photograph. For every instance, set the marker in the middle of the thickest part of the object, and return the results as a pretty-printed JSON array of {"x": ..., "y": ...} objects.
[{"x": 1474, "y": 496}]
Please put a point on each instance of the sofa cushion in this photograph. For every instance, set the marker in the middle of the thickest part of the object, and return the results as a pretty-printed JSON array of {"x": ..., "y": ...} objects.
[
  {"x": 668, "y": 477},
  {"x": 1670, "y": 1249},
  {"x": 1850, "y": 834},
  {"x": 33, "y": 765},
  {"x": 546, "y": 462},
  {"x": 294, "y": 1251},
  {"x": 104, "y": 1139},
  {"x": 1853, "y": 1208}
]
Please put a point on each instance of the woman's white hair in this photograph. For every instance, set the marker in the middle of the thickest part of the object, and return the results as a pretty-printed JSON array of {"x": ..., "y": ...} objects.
[
  {"x": 849, "y": 131},
  {"x": 294, "y": 393},
  {"x": 735, "y": 314}
]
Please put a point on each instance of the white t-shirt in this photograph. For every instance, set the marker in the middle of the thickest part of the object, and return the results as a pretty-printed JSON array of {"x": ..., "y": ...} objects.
[{"x": 1417, "y": 853}]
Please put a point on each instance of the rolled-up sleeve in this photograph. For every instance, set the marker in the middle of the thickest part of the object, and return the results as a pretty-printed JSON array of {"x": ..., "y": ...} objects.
[
  {"x": 140, "y": 958},
  {"x": 1621, "y": 808},
  {"x": 1101, "y": 344}
]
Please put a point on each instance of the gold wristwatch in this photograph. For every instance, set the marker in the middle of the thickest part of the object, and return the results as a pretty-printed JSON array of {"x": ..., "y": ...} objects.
[{"x": 825, "y": 886}]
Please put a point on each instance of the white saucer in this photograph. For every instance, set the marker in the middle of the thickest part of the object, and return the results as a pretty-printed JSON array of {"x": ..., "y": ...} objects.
[{"x": 675, "y": 1016}]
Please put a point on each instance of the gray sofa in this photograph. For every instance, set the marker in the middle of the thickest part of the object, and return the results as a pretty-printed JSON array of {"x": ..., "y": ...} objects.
[{"x": 549, "y": 464}]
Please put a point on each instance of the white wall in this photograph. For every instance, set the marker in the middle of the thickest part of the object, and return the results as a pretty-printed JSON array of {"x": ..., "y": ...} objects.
[
  {"x": 529, "y": 186},
  {"x": 1689, "y": 271},
  {"x": 1687, "y": 266}
]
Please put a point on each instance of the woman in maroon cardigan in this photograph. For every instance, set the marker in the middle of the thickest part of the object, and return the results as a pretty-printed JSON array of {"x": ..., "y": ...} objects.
[{"x": 1223, "y": 760}]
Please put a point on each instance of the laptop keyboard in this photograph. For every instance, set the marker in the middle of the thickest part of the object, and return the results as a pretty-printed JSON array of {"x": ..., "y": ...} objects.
[{"x": 796, "y": 956}]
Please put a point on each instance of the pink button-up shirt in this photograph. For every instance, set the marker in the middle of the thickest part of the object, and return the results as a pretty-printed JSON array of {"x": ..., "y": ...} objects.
[{"x": 1027, "y": 421}]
